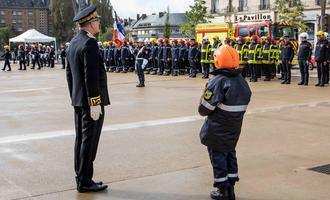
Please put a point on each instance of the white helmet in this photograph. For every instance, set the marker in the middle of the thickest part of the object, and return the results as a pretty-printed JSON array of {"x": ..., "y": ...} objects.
[
  {"x": 304, "y": 35},
  {"x": 326, "y": 35},
  {"x": 205, "y": 38},
  {"x": 99, "y": 43},
  {"x": 67, "y": 44}
]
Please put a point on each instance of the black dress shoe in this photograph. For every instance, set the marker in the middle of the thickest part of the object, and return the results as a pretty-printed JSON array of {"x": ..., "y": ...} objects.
[
  {"x": 140, "y": 85},
  {"x": 317, "y": 85},
  {"x": 92, "y": 188},
  {"x": 300, "y": 83},
  {"x": 283, "y": 82},
  {"x": 306, "y": 84},
  {"x": 219, "y": 195},
  {"x": 288, "y": 83},
  {"x": 321, "y": 85}
]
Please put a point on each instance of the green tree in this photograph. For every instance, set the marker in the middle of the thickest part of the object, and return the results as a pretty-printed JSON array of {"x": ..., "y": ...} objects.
[
  {"x": 104, "y": 9},
  {"x": 108, "y": 35},
  {"x": 196, "y": 15},
  {"x": 5, "y": 34},
  {"x": 63, "y": 13},
  {"x": 293, "y": 14},
  {"x": 167, "y": 26}
]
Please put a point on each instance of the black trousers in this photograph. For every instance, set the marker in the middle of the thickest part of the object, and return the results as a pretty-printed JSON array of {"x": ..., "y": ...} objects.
[
  {"x": 7, "y": 63},
  {"x": 327, "y": 73},
  {"x": 175, "y": 66},
  {"x": 193, "y": 67},
  {"x": 304, "y": 71},
  {"x": 225, "y": 168},
  {"x": 139, "y": 70},
  {"x": 34, "y": 63},
  {"x": 321, "y": 72},
  {"x": 22, "y": 64},
  {"x": 63, "y": 63},
  {"x": 206, "y": 69},
  {"x": 254, "y": 71},
  {"x": 267, "y": 69},
  {"x": 286, "y": 71},
  {"x": 88, "y": 134},
  {"x": 160, "y": 66}
]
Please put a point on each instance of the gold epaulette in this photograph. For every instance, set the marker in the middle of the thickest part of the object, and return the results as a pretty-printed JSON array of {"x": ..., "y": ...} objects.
[
  {"x": 94, "y": 101},
  {"x": 90, "y": 35}
]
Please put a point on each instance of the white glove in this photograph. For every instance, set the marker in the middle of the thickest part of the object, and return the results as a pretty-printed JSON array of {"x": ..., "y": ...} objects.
[{"x": 96, "y": 111}]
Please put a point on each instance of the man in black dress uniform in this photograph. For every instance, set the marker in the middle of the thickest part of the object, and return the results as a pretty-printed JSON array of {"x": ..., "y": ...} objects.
[{"x": 87, "y": 83}]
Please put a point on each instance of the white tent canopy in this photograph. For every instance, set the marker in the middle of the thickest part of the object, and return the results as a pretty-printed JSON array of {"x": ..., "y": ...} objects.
[{"x": 32, "y": 35}]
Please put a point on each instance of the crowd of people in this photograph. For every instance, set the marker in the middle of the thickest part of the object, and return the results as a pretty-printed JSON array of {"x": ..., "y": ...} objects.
[
  {"x": 259, "y": 57},
  {"x": 34, "y": 55}
]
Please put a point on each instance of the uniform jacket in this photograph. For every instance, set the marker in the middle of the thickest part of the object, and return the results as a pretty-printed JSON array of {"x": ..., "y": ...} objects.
[
  {"x": 167, "y": 52},
  {"x": 86, "y": 76},
  {"x": 322, "y": 51},
  {"x": 125, "y": 53},
  {"x": 193, "y": 53},
  {"x": 224, "y": 102},
  {"x": 182, "y": 52},
  {"x": 175, "y": 52},
  {"x": 153, "y": 52},
  {"x": 305, "y": 51},
  {"x": 160, "y": 52},
  {"x": 287, "y": 52},
  {"x": 7, "y": 55},
  {"x": 63, "y": 54}
]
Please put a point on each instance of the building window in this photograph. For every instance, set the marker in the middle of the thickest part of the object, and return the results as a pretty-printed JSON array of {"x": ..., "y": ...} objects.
[
  {"x": 264, "y": 5},
  {"x": 19, "y": 13},
  {"x": 2, "y": 21},
  {"x": 30, "y": 13},
  {"x": 2, "y": 12},
  {"x": 14, "y": 13},
  {"x": 13, "y": 21},
  {"x": 30, "y": 22},
  {"x": 215, "y": 6},
  {"x": 20, "y": 29},
  {"x": 19, "y": 21},
  {"x": 242, "y": 4},
  {"x": 318, "y": 2}
]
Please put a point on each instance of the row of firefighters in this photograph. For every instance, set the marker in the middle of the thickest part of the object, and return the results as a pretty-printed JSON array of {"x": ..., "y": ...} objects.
[{"x": 258, "y": 57}]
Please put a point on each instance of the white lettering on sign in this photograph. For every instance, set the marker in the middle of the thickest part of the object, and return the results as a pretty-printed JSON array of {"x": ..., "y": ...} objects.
[{"x": 255, "y": 17}]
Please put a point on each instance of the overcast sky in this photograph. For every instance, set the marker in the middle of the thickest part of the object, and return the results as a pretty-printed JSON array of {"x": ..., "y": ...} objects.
[{"x": 129, "y": 8}]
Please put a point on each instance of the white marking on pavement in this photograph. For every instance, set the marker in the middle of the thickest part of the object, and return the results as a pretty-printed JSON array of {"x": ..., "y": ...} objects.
[
  {"x": 148, "y": 123},
  {"x": 115, "y": 127},
  {"x": 27, "y": 90}
]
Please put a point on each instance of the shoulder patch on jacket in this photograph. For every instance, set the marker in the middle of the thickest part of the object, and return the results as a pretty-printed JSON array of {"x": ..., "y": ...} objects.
[{"x": 208, "y": 94}]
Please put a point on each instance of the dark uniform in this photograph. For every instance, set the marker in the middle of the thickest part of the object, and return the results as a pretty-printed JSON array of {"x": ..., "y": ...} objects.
[
  {"x": 225, "y": 101},
  {"x": 182, "y": 58},
  {"x": 321, "y": 57},
  {"x": 141, "y": 56},
  {"x": 125, "y": 56},
  {"x": 253, "y": 59},
  {"x": 193, "y": 60},
  {"x": 87, "y": 82},
  {"x": 205, "y": 58},
  {"x": 175, "y": 53},
  {"x": 111, "y": 58},
  {"x": 118, "y": 60},
  {"x": 51, "y": 62},
  {"x": 7, "y": 57},
  {"x": 167, "y": 58},
  {"x": 153, "y": 58},
  {"x": 304, "y": 57},
  {"x": 21, "y": 58},
  {"x": 287, "y": 57},
  {"x": 160, "y": 60},
  {"x": 63, "y": 57}
]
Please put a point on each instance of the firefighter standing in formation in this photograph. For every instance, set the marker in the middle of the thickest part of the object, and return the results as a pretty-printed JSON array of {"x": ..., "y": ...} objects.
[
  {"x": 304, "y": 57},
  {"x": 205, "y": 57},
  {"x": 322, "y": 58}
]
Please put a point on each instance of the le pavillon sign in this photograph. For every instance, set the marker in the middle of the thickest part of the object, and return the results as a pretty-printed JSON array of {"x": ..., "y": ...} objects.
[{"x": 253, "y": 17}]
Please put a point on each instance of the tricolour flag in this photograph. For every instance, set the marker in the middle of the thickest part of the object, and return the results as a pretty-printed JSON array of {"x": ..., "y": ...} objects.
[{"x": 118, "y": 32}]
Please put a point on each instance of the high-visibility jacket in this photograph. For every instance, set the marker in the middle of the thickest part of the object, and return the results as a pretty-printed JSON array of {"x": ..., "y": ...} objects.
[
  {"x": 205, "y": 52},
  {"x": 267, "y": 54},
  {"x": 254, "y": 52},
  {"x": 242, "y": 51},
  {"x": 214, "y": 47}
]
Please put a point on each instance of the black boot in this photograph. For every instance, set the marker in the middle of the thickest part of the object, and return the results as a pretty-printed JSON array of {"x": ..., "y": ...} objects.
[
  {"x": 220, "y": 194},
  {"x": 231, "y": 192}
]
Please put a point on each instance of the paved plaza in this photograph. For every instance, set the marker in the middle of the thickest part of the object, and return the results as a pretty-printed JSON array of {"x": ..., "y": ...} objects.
[{"x": 150, "y": 149}]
